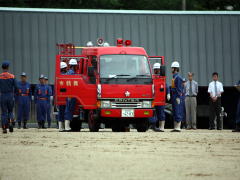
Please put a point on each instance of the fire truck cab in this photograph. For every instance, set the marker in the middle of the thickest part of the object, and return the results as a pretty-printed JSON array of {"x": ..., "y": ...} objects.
[{"x": 113, "y": 85}]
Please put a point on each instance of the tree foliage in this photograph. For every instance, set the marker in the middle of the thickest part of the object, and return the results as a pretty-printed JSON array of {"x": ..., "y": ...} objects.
[{"x": 126, "y": 4}]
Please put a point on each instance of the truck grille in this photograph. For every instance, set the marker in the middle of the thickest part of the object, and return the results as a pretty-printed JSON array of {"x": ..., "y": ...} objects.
[{"x": 126, "y": 105}]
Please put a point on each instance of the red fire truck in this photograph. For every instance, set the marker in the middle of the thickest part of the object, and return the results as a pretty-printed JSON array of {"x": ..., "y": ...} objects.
[{"x": 113, "y": 85}]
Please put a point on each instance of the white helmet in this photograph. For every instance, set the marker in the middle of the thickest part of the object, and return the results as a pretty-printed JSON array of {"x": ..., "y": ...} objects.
[
  {"x": 73, "y": 62},
  {"x": 63, "y": 65},
  {"x": 89, "y": 44},
  {"x": 175, "y": 64},
  {"x": 156, "y": 66}
]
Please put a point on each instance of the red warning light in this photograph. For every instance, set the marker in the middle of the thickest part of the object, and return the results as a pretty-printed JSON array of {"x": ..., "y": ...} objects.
[
  {"x": 128, "y": 43},
  {"x": 119, "y": 42}
]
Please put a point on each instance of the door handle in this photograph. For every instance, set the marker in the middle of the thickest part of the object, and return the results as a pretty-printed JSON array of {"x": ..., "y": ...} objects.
[{"x": 63, "y": 90}]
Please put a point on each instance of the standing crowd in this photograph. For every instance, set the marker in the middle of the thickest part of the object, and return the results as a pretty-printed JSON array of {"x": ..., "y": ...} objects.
[{"x": 183, "y": 95}]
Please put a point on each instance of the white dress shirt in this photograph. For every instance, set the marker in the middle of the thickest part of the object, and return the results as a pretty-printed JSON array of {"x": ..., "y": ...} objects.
[{"x": 215, "y": 88}]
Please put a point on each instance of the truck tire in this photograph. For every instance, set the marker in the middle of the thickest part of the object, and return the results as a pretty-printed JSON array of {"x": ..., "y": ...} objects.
[
  {"x": 142, "y": 125},
  {"x": 93, "y": 122},
  {"x": 76, "y": 125}
]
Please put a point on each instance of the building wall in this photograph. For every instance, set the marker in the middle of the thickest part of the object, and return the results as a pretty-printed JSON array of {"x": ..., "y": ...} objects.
[{"x": 202, "y": 42}]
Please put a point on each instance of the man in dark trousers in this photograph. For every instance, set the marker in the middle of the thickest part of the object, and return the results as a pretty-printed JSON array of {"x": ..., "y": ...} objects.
[
  {"x": 41, "y": 99},
  {"x": 23, "y": 100},
  {"x": 215, "y": 89},
  {"x": 8, "y": 86},
  {"x": 237, "y": 129},
  {"x": 49, "y": 107}
]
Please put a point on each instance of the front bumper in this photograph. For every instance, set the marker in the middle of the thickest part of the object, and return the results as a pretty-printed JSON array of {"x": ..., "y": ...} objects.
[{"x": 117, "y": 113}]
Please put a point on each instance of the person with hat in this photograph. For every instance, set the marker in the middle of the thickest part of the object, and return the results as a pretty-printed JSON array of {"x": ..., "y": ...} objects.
[
  {"x": 237, "y": 129},
  {"x": 23, "y": 99},
  {"x": 70, "y": 102},
  {"x": 61, "y": 108},
  {"x": 8, "y": 85},
  {"x": 41, "y": 95},
  {"x": 73, "y": 65},
  {"x": 177, "y": 97},
  {"x": 49, "y": 107},
  {"x": 158, "y": 121}
]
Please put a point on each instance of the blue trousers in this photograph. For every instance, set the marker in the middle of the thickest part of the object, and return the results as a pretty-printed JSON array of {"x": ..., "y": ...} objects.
[
  {"x": 49, "y": 107},
  {"x": 178, "y": 109},
  {"x": 61, "y": 113},
  {"x": 159, "y": 114},
  {"x": 70, "y": 107},
  {"x": 41, "y": 110},
  {"x": 238, "y": 112},
  {"x": 7, "y": 103},
  {"x": 23, "y": 108}
]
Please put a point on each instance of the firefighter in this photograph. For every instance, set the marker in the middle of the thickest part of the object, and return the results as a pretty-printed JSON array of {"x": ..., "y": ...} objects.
[
  {"x": 160, "y": 113},
  {"x": 73, "y": 65},
  {"x": 41, "y": 95},
  {"x": 49, "y": 107},
  {"x": 62, "y": 108},
  {"x": 23, "y": 98},
  {"x": 177, "y": 97},
  {"x": 8, "y": 85},
  {"x": 70, "y": 104}
]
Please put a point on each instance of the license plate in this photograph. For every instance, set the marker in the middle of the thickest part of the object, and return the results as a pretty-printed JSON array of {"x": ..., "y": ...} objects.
[{"x": 127, "y": 113}]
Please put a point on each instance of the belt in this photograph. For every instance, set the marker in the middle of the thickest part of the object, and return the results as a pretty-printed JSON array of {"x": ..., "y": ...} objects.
[
  {"x": 23, "y": 94},
  {"x": 43, "y": 98}
]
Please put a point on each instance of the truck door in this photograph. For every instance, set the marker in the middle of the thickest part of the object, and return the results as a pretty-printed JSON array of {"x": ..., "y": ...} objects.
[
  {"x": 74, "y": 86},
  {"x": 159, "y": 81}
]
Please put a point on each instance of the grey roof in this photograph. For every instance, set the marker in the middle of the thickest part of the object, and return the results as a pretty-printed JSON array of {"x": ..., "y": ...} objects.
[{"x": 203, "y": 42}]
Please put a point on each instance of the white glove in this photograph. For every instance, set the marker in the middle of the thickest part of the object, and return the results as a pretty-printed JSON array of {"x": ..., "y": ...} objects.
[
  {"x": 32, "y": 98},
  {"x": 168, "y": 97},
  {"x": 178, "y": 100}
]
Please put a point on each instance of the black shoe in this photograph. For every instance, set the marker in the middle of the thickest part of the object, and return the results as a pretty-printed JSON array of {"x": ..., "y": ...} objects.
[
  {"x": 10, "y": 127},
  {"x": 237, "y": 129},
  {"x": 175, "y": 130},
  {"x": 19, "y": 125},
  {"x": 4, "y": 131},
  {"x": 211, "y": 128},
  {"x": 39, "y": 125},
  {"x": 43, "y": 126},
  {"x": 219, "y": 129},
  {"x": 25, "y": 125}
]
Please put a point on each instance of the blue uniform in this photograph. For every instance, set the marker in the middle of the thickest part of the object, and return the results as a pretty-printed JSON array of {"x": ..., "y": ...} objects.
[
  {"x": 70, "y": 102},
  {"x": 41, "y": 95},
  {"x": 50, "y": 92},
  {"x": 7, "y": 87},
  {"x": 23, "y": 98},
  {"x": 159, "y": 111},
  {"x": 177, "y": 92}
]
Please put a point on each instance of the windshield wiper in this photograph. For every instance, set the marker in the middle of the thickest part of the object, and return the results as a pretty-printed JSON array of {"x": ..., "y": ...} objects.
[
  {"x": 117, "y": 75},
  {"x": 138, "y": 75}
]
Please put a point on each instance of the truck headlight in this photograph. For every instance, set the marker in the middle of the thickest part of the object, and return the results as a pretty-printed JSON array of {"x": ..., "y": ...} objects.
[
  {"x": 146, "y": 104},
  {"x": 105, "y": 104}
]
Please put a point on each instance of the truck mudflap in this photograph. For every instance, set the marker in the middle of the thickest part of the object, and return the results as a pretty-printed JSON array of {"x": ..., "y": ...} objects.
[{"x": 127, "y": 113}]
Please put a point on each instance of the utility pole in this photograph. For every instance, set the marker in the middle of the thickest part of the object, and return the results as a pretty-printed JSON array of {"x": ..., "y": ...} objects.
[{"x": 184, "y": 5}]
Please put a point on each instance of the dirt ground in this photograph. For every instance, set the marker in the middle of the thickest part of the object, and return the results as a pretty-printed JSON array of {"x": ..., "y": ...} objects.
[{"x": 48, "y": 154}]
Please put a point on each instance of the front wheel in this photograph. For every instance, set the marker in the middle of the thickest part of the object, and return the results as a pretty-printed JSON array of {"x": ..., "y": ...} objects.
[
  {"x": 93, "y": 122},
  {"x": 76, "y": 125},
  {"x": 142, "y": 125}
]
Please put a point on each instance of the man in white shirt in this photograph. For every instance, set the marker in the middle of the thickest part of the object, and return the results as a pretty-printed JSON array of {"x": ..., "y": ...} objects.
[{"x": 215, "y": 89}]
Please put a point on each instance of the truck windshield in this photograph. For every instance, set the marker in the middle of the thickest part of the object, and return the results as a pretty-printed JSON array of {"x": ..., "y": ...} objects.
[{"x": 124, "y": 66}]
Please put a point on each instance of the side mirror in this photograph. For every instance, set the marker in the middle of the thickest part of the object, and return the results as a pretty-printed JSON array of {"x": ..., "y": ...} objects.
[
  {"x": 91, "y": 71},
  {"x": 162, "y": 70}
]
